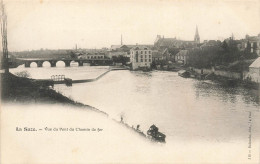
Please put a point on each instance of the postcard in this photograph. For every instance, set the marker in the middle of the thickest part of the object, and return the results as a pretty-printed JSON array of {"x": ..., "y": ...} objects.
[{"x": 120, "y": 81}]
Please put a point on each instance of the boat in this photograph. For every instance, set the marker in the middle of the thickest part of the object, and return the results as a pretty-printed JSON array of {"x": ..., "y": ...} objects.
[{"x": 154, "y": 134}]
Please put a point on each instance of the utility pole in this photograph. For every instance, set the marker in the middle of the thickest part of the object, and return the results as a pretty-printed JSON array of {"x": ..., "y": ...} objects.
[
  {"x": 121, "y": 39},
  {"x": 4, "y": 37}
]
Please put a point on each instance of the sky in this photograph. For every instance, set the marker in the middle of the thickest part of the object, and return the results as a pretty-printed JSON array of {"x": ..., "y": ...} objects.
[{"x": 61, "y": 24}]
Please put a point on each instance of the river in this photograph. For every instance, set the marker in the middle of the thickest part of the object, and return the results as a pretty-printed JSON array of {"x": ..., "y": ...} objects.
[{"x": 183, "y": 109}]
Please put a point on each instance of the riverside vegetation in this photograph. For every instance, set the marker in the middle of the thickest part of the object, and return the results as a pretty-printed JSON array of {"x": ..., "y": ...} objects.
[{"x": 25, "y": 90}]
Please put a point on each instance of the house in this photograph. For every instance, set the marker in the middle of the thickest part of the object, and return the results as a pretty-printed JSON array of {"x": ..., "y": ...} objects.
[
  {"x": 122, "y": 50},
  {"x": 251, "y": 43},
  {"x": 140, "y": 57},
  {"x": 161, "y": 54},
  {"x": 254, "y": 71},
  {"x": 93, "y": 55},
  {"x": 157, "y": 56},
  {"x": 182, "y": 57}
]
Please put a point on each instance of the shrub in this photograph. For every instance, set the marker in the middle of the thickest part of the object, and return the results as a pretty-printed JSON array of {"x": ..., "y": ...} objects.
[{"x": 25, "y": 74}]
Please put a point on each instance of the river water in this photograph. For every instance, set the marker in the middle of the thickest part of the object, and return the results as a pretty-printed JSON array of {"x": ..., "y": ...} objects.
[{"x": 183, "y": 109}]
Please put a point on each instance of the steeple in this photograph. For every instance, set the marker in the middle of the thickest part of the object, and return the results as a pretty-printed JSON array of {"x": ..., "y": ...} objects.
[{"x": 197, "y": 36}]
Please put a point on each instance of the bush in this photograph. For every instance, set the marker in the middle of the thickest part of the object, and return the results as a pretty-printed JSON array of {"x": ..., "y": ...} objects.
[{"x": 25, "y": 74}]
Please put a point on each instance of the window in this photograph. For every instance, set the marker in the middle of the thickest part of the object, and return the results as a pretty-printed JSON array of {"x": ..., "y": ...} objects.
[
  {"x": 149, "y": 52},
  {"x": 141, "y": 60},
  {"x": 141, "y": 52},
  {"x": 150, "y": 60},
  {"x": 145, "y": 60},
  {"x": 145, "y": 56},
  {"x": 150, "y": 56},
  {"x": 144, "y": 52},
  {"x": 141, "y": 56}
]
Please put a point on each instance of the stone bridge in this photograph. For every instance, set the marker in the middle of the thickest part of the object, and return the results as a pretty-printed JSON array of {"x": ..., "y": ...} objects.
[{"x": 39, "y": 61}]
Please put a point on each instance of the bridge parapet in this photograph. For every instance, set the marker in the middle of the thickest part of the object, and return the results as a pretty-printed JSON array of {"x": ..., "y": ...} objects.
[{"x": 67, "y": 62}]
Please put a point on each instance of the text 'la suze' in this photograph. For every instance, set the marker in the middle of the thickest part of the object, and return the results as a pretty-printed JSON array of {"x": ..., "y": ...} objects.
[{"x": 25, "y": 129}]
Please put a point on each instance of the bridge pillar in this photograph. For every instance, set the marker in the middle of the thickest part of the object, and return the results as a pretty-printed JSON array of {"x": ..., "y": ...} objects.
[
  {"x": 39, "y": 64},
  {"x": 67, "y": 63},
  {"x": 80, "y": 63},
  {"x": 27, "y": 64},
  {"x": 53, "y": 63}
]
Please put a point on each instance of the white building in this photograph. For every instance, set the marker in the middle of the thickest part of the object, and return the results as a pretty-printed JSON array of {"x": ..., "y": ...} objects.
[
  {"x": 254, "y": 71},
  {"x": 140, "y": 57}
]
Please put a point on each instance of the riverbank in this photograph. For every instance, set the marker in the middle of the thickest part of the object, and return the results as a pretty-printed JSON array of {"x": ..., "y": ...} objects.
[
  {"x": 27, "y": 91},
  {"x": 221, "y": 76}
]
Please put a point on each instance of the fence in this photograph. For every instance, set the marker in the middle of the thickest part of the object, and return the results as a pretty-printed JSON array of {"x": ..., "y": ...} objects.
[{"x": 58, "y": 77}]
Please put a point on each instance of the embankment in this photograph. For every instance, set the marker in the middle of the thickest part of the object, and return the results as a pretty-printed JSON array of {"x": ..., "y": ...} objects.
[
  {"x": 24, "y": 90},
  {"x": 224, "y": 77}
]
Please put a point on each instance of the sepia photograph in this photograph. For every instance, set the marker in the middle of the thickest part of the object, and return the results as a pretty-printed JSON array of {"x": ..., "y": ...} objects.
[{"x": 130, "y": 81}]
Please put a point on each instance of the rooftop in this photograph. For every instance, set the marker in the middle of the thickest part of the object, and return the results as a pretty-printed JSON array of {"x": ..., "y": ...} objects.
[{"x": 256, "y": 63}]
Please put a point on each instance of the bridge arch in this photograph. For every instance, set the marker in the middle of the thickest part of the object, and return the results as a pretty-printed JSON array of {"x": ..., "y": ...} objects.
[
  {"x": 33, "y": 64},
  {"x": 74, "y": 63},
  {"x": 60, "y": 63},
  {"x": 46, "y": 64}
]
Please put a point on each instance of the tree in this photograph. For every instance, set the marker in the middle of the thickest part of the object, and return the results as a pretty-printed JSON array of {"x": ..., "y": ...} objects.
[
  {"x": 73, "y": 55},
  {"x": 120, "y": 59}
]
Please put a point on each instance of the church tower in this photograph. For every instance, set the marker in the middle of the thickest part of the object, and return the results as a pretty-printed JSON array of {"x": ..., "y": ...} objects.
[{"x": 197, "y": 36}]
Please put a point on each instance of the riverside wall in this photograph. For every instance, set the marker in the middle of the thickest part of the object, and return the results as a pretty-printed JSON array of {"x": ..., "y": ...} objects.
[{"x": 227, "y": 74}]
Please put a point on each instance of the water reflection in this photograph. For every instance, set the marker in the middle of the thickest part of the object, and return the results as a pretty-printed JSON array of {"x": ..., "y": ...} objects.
[{"x": 225, "y": 93}]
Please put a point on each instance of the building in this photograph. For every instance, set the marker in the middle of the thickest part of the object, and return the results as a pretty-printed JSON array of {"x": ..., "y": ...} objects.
[
  {"x": 141, "y": 57},
  {"x": 182, "y": 57},
  {"x": 161, "y": 54},
  {"x": 210, "y": 43},
  {"x": 161, "y": 42},
  {"x": 157, "y": 56},
  {"x": 92, "y": 55},
  {"x": 254, "y": 71},
  {"x": 251, "y": 43},
  {"x": 120, "y": 50}
]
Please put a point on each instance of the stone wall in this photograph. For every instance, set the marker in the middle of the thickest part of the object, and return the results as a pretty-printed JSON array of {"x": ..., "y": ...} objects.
[{"x": 232, "y": 75}]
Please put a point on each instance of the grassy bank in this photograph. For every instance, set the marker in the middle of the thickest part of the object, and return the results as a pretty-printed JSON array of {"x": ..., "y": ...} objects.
[{"x": 24, "y": 90}]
